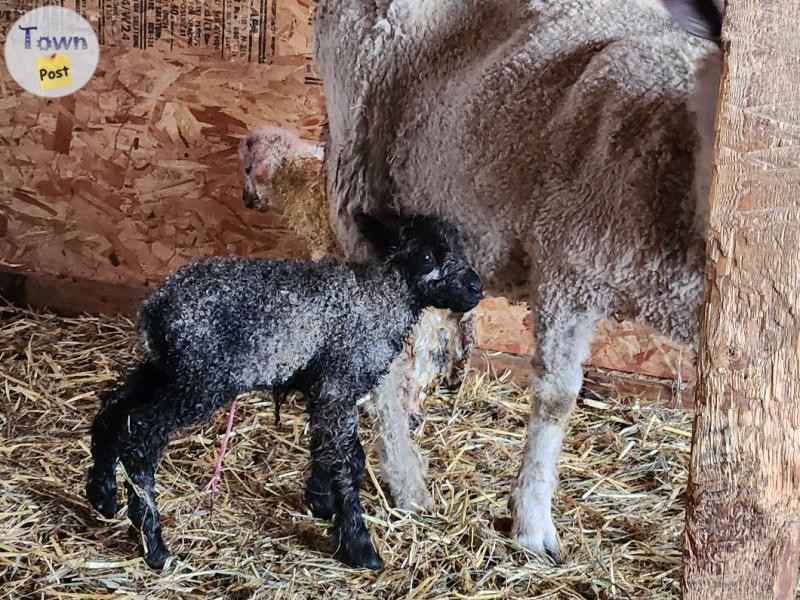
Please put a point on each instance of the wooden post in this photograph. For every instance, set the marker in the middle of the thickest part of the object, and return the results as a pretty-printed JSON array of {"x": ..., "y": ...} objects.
[{"x": 743, "y": 526}]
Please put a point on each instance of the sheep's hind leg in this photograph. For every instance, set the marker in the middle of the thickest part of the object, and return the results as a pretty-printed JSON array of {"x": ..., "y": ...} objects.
[
  {"x": 338, "y": 462},
  {"x": 564, "y": 337},
  {"x": 147, "y": 432},
  {"x": 137, "y": 389}
]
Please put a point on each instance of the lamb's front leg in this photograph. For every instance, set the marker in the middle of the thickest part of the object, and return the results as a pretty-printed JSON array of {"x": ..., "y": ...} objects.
[
  {"x": 338, "y": 464},
  {"x": 563, "y": 344}
]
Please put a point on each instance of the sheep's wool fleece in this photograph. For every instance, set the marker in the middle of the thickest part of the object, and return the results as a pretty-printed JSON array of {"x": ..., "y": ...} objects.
[{"x": 555, "y": 134}]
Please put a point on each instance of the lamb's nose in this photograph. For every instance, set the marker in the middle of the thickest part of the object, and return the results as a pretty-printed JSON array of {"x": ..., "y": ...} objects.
[
  {"x": 473, "y": 282},
  {"x": 247, "y": 198}
]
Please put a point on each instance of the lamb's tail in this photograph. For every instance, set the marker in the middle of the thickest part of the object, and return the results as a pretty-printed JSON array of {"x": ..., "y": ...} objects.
[
  {"x": 150, "y": 326},
  {"x": 137, "y": 387}
]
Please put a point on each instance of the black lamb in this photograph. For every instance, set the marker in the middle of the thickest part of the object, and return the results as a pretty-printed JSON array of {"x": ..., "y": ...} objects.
[{"x": 219, "y": 327}]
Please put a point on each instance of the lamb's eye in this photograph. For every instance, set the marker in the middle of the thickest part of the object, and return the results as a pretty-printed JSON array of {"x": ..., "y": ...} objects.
[{"x": 427, "y": 260}]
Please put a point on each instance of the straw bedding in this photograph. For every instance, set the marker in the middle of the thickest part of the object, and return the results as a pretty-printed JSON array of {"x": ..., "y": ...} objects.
[{"x": 620, "y": 505}]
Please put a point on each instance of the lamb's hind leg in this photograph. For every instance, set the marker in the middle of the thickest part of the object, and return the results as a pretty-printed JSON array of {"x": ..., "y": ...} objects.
[
  {"x": 137, "y": 389},
  {"x": 564, "y": 336},
  {"x": 145, "y": 435}
]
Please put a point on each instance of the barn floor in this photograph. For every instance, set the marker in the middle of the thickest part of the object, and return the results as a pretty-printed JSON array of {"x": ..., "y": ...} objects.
[{"x": 620, "y": 507}]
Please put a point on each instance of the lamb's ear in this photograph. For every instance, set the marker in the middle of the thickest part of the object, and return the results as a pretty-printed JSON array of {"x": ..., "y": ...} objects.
[
  {"x": 382, "y": 231},
  {"x": 702, "y": 18}
]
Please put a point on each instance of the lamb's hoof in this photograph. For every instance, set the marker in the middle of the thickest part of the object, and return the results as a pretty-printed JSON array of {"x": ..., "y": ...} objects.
[
  {"x": 102, "y": 495},
  {"x": 360, "y": 555},
  {"x": 319, "y": 500},
  {"x": 540, "y": 538},
  {"x": 156, "y": 557},
  {"x": 154, "y": 551}
]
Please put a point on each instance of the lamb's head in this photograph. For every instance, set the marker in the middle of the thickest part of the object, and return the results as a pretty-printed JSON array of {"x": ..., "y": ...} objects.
[
  {"x": 262, "y": 154},
  {"x": 430, "y": 253}
]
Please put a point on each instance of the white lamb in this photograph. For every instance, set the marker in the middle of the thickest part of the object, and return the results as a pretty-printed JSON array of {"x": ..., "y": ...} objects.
[{"x": 569, "y": 140}]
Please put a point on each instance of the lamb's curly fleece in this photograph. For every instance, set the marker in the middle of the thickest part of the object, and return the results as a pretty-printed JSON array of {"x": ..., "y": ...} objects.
[{"x": 557, "y": 135}]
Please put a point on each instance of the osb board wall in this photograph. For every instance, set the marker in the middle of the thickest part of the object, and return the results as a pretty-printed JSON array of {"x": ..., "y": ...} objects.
[{"x": 138, "y": 172}]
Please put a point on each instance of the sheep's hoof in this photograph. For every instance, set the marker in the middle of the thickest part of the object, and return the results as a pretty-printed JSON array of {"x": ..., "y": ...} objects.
[
  {"x": 409, "y": 490},
  {"x": 414, "y": 421},
  {"x": 360, "y": 555},
  {"x": 102, "y": 495},
  {"x": 541, "y": 539},
  {"x": 319, "y": 499},
  {"x": 405, "y": 474}
]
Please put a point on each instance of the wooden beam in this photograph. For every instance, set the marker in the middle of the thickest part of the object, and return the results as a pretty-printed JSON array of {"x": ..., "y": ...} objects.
[{"x": 743, "y": 522}]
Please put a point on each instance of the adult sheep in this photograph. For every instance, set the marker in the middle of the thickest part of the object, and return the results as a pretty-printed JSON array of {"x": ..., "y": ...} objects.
[{"x": 569, "y": 140}]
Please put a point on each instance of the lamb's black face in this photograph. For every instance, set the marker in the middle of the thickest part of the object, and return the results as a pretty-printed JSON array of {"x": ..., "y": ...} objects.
[{"x": 430, "y": 252}]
